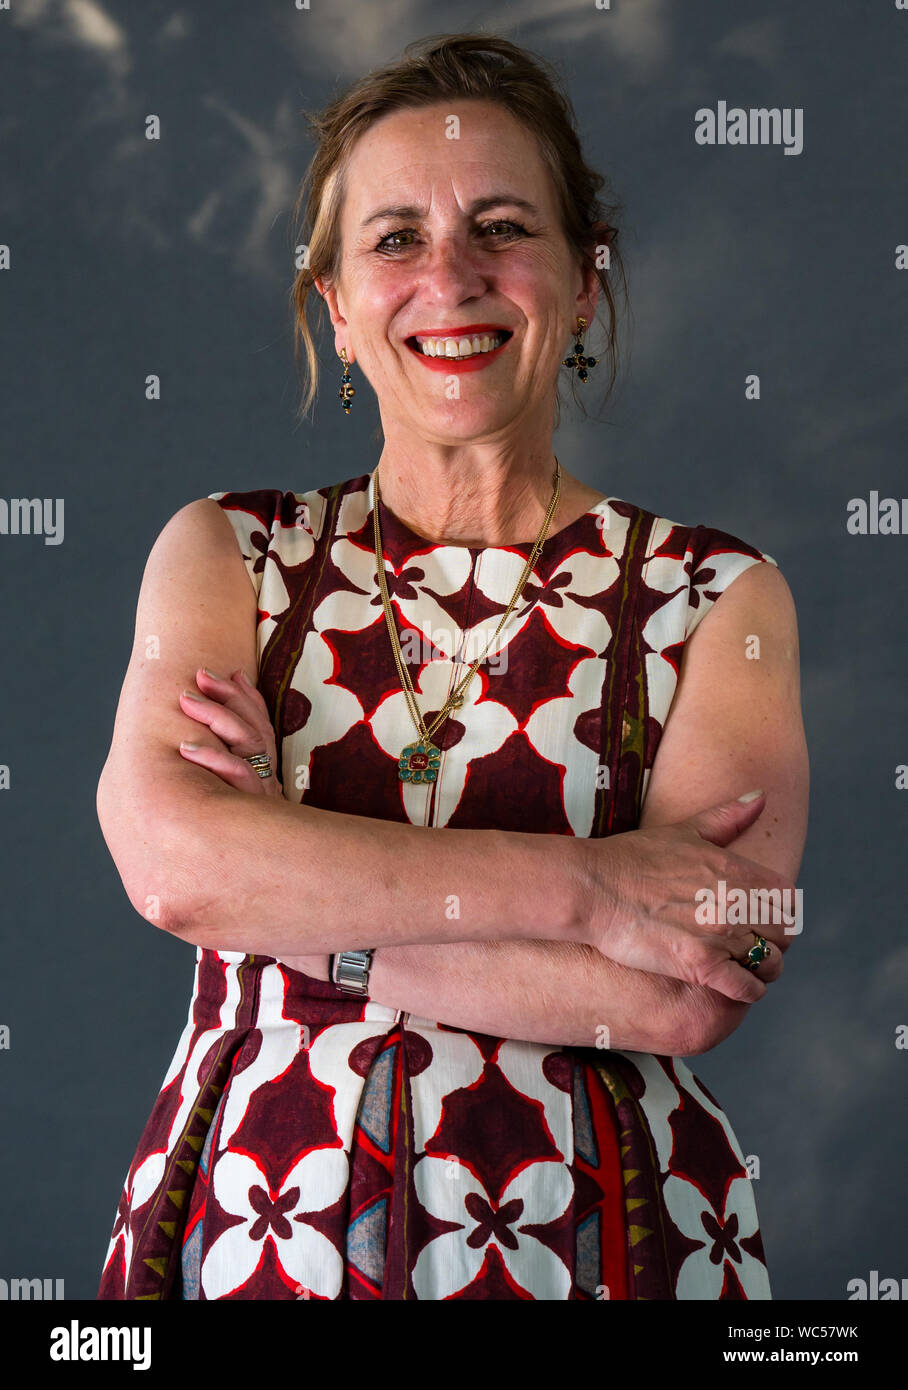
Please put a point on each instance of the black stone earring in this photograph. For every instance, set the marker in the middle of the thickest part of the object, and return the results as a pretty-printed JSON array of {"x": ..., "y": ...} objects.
[
  {"x": 347, "y": 392},
  {"x": 577, "y": 358}
]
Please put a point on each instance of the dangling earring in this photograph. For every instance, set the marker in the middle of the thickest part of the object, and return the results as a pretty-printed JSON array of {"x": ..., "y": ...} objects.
[
  {"x": 347, "y": 392},
  {"x": 577, "y": 358}
]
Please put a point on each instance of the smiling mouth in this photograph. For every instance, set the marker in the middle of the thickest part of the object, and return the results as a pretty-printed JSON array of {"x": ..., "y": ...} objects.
[{"x": 457, "y": 349}]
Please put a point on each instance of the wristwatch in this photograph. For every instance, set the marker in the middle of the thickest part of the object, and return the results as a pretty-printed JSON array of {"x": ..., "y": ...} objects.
[{"x": 350, "y": 971}]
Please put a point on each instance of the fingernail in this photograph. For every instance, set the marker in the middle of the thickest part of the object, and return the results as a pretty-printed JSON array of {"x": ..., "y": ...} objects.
[
  {"x": 750, "y": 796},
  {"x": 191, "y": 746},
  {"x": 245, "y": 677},
  {"x": 212, "y": 674},
  {"x": 190, "y": 694}
]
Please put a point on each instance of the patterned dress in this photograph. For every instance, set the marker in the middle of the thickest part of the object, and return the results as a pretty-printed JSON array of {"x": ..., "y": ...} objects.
[{"x": 309, "y": 1144}]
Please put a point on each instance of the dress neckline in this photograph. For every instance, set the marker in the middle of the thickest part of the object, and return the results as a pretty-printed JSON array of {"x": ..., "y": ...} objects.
[{"x": 402, "y": 535}]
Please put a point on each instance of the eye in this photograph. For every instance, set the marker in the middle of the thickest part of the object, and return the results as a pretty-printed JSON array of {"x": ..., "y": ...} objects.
[
  {"x": 385, "y": 243},
  {"x": 390, "y": 244},
  {"x": 501, "y": 222}
]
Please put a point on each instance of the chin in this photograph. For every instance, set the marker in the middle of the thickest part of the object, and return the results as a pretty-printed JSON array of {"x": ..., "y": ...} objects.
[{"x": 460, "y": 423}]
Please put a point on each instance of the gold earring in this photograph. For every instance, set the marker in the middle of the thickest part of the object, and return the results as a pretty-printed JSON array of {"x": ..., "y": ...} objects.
[
  {"x": 577, "y": 358},
  {"x": 346, "y": 392}
]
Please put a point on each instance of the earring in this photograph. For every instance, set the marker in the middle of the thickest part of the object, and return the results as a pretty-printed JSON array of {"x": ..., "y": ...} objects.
[
  {"x": 577, "y": 358},
  {"x": 347, "y": 392}
]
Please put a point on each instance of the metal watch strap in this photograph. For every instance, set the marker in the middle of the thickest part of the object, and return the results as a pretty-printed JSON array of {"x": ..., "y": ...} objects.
[{"x": 350, "y": 971}]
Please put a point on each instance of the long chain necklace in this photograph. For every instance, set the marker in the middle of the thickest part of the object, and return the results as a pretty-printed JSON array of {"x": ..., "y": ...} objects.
[{"x": 420, "y": 761}]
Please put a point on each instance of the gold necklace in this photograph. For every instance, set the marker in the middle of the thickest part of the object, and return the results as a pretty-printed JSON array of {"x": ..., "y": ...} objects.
[{"x": 420, "y": 761}]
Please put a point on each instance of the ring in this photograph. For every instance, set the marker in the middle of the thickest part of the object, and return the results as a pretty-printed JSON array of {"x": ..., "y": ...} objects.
[
  {"x": 261, "y": 762},
  {"x": 758, "y": 952}
]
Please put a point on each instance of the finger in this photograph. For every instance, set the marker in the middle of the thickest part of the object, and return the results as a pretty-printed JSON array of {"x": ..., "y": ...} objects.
[
  {"x": 739, "y": 942},
  {"x": 235, "y": 693},
  {"x": 716, "y": 964},
  {"x": 238, "y": 693},
  {"x": 239, "y": 675},
  {"x": 741, "y": 938},
  {"x": 746, "y": 905},
  {"x": 228, "y": 766},
  {"x": 770, "y": 967},
  {"x": 224, "y": 723},
  {"x": 724, "y": 822},
  {"x": 732, "y": 980},
  {"x": 243, "y": 699}
]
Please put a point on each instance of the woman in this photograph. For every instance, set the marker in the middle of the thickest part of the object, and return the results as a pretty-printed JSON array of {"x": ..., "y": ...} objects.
[{"x": 433, "y": 1067}]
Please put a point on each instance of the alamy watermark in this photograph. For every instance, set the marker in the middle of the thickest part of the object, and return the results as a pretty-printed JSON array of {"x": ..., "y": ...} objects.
[
  {"x": 33, "y": 516},
  {"x": 754, "y": 125},
  {"x": 750, "y": 907},
  {"x": 30, "y": 1290}
]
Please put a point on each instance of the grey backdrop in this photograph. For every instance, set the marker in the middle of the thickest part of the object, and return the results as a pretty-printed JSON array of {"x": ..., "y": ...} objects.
[{"x": 130, "y": 257}]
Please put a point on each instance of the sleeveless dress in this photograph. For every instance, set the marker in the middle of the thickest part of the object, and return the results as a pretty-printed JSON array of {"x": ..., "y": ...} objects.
[{"x": 311, "y": 1144}]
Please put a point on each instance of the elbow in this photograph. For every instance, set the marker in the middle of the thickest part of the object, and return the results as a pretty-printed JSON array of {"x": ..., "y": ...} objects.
[
  {"x": 163, "y": 890},
  {"x": 162, "y": 909},
  {"x": 707, "y": 1020},
  {"x": 151, "y": 858}
]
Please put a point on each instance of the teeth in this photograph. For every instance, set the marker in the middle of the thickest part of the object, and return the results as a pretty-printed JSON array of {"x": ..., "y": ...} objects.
[{"x": 460, "y": 347}]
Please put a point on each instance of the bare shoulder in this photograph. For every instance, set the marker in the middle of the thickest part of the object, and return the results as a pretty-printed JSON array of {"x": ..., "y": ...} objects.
[
  {"x": 759, "y": 604},
  {"x": 196, "y": 565},
  {"x": 199, "y": 525}
]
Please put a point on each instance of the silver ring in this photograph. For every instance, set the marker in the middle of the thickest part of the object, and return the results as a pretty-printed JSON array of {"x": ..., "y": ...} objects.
[{"x": 261, "y": 762}]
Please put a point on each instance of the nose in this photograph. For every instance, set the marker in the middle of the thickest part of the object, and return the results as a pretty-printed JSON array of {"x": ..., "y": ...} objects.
[{"x": 453, "y": 271}]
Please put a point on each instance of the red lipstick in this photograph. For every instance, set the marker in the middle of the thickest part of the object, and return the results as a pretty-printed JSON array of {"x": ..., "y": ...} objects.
[
  {"x": 466, "y": 331},
  {"x": 472, "y": 363}
]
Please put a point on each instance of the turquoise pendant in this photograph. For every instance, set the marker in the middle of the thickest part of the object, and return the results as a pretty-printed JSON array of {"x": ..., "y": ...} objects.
[{"x": 419, "y": 762}]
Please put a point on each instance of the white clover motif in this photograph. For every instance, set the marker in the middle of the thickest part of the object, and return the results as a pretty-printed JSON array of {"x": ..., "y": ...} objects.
[
  {"x": 538, "y": 1195},
  {"x": 703, "y": 1272},
  {"x": 306, "y": 1256}
]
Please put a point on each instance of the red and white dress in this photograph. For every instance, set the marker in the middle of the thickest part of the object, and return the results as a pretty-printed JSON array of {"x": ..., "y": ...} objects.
[{"x": 309, "y": 1144}]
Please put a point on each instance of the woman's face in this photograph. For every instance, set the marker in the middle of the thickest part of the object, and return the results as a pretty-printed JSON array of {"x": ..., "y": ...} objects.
[{"x": 455, "y": 238}]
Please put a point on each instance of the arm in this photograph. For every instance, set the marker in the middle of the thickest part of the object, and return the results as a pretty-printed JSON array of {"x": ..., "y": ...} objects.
[
  {"x": 230, "y": 871},
  {"x": 734, "y": 724},
  {"x": 564, "y": 992}
]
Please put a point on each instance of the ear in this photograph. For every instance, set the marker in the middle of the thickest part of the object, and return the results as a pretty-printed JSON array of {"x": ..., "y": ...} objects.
[
  {"x": 588, "y": 296},
  {"x": 338, "y": 322}
]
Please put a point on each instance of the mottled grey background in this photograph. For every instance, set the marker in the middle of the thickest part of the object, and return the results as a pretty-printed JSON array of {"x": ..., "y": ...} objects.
[{"x": 130, "y": 257}]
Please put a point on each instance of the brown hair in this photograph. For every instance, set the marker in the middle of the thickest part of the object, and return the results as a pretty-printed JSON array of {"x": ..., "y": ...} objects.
[{"x": 451, "y": 66}]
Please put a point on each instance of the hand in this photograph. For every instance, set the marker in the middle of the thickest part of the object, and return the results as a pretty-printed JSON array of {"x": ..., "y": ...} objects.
[
  {"x": 237, "y": 715},
  {"x": 644, "y": 903}
]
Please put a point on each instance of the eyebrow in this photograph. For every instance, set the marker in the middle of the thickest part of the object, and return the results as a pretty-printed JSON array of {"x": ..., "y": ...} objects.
[{"x": 478, "y": 205}]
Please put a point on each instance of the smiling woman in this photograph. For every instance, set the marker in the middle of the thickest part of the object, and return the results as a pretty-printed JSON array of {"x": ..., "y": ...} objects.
[
  {"x": 441, "y": 247},
  {"x": 451, "y": 103},
  {"x": 449, "y": 1066}
]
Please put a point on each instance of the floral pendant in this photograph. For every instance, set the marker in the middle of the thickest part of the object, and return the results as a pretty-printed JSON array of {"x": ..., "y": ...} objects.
[{"x": 419, "y": 762}]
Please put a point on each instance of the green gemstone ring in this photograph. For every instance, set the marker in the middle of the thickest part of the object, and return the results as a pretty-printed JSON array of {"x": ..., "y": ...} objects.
[{"x": 757, "y": 953}]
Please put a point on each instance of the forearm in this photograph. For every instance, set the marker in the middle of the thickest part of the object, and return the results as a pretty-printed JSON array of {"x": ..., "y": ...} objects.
[
  {"x": 562, "y": 993},
  {"x": 270, "y": 876}
]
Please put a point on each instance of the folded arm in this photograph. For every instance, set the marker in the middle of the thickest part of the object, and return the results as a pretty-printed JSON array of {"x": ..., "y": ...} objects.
[
  {"x": 230, "y": 871},
  {"x": 563, "y": 993},
  {"x": 735, "y": 724}
]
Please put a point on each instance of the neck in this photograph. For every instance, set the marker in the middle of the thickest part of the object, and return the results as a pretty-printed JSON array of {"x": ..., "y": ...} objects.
[{"x": 477, "y": 496}]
